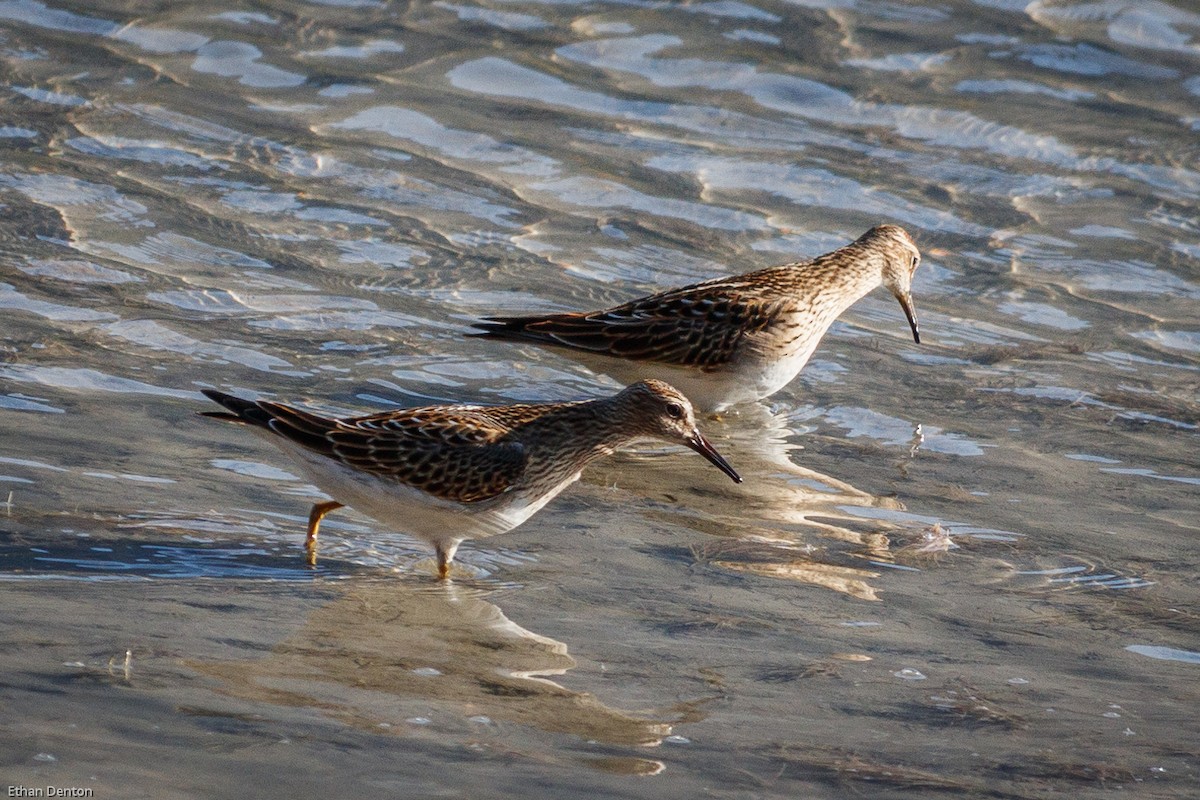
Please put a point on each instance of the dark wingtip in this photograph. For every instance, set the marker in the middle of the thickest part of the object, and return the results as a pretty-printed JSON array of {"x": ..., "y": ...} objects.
[
  {"x": 500, "y": 327},
  {"x": 234, "y": 404},
  {"x": 240, "y": 410},
  {"x": 487, "y": 326}
]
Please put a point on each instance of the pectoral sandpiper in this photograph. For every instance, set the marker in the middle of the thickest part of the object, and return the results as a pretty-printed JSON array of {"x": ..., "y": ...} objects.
[
  {"x": 730, "y": 340},
  {"x": 448, "y": 473}
]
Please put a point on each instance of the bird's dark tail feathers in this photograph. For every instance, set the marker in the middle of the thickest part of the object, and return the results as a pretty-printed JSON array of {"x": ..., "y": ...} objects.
[
  {"x": 246, "y": 412},
  {"x": 504, "y": 327}
]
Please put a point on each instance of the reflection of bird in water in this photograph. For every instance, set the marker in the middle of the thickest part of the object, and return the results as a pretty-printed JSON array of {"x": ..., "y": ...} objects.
[
  {"x": 448, "y": 473},
  {"x": 735, "y": 339},
  {"x": 764, "y": 527},
  {"x": 386, "y": 653}
]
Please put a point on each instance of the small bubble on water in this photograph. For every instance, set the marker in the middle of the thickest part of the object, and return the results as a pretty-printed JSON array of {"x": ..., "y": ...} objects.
[
  {"x": 481, "y": 719},
  {"x": 44, "y": 757},
  {"x": 419, "y": 721},
  {"x": 1111, "y": 715},
  {"x": 1018, "y": 681},
  {"x": 677, "y": 740},
  {"x": 909, "y": 674},
  {"x": 427, "y": 672}
]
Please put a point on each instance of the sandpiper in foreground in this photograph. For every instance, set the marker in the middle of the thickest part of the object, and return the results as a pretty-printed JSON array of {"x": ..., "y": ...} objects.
[
  {"x": 448, "y": 473},
  {"x": 730, "y": 340}
]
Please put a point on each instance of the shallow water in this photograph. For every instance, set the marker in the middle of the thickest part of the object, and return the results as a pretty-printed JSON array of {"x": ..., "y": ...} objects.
[{"x": 964, "y": 567}]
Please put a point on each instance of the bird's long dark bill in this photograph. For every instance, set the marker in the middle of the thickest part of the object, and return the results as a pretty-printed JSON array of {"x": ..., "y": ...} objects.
[
  {"x": 702, "y": 446},
  {"x": 911, "y": 312}
]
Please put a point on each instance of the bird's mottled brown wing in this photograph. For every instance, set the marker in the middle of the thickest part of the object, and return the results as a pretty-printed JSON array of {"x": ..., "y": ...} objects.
[
  {"x": 460, "y": 424},
  {"x": 452, "y": 453},
  {"x": 698, "y": 326}
]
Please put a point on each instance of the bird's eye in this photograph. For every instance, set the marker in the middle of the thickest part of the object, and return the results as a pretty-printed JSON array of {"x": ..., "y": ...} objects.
[
  {"x": 916, "y": 261},
  {"x": 674, "y": 411}
]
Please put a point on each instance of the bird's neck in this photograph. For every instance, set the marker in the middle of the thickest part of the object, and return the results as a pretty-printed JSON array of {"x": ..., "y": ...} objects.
[
  {"x": 819, "y": 292},
  {"x": 832, "y": 283},
  {"x": 575, "y": 434}
]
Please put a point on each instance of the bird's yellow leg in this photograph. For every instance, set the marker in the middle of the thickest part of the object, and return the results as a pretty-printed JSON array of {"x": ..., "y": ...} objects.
[
  {"x": 315, "y": 516},
  {"x": 445, "y": 554}
]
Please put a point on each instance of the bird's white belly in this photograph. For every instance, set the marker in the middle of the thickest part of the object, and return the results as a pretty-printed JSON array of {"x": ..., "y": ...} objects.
[
  {"x": 770, "y": 375},
  {"x": 412, "y": 511},
  {"x": 743, "y": 381},
  {"x": 707, "y": 391}
]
